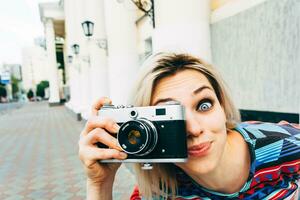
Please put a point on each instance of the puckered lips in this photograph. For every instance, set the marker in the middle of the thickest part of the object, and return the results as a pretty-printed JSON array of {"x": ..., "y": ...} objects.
[{"x": 199, "y": 150}]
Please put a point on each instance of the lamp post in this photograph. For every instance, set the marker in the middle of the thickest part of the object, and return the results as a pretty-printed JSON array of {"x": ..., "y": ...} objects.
[
  {"x": 70, "y": 59},
  {"x": 88, "y": 30},
  {"x": 75, "y": 48}
]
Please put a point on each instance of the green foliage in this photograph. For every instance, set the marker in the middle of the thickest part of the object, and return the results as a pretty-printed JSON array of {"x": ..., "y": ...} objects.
[
  {"x": 14, "y": 85},
  {"x": 40, "y": 91},
  {"x": 3, "y": 92},
  {"x": 40, "y": 88},
  {"x": 45, "y": 84},
  {"x": 30, "y": 94}
]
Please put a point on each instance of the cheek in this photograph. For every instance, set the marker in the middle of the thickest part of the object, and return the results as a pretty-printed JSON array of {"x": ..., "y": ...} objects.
[
  {"x": 219, "y": 130},
  {"x": 216, "y": 120}
]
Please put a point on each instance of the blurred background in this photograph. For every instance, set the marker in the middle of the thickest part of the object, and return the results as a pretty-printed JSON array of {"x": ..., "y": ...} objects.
[
  {"x": 76, "y": 51},
  {"x": 57, "y": 57}
]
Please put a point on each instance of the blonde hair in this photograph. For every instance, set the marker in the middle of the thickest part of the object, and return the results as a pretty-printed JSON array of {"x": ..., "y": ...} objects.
[{"x": 161, "y": 181}]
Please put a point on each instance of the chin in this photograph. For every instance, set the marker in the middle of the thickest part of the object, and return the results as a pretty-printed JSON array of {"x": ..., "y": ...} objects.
[{"x": 197, "y": 166}]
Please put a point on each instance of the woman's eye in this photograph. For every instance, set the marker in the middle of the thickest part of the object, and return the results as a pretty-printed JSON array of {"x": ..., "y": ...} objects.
[{"x": 204, "y": 105}]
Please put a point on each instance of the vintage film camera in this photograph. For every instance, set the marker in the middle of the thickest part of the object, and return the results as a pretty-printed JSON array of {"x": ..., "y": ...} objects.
[{"x": 151, "y": 134}]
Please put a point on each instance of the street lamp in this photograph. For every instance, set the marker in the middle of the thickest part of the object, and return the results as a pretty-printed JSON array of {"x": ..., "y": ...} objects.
[
  {"x": 70, "y": 59},
  {"x": 88, "y": 28},
  {"x": 75, "y": 49}
]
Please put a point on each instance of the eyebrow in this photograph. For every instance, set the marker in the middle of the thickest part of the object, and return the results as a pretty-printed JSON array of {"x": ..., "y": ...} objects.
[
  {"x": 198, "y": 90},
  {"x": 163, "y": 100}
]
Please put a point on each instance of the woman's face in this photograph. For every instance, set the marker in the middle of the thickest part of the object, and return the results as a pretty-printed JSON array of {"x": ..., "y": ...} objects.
[{"x": 205, "y": 118}]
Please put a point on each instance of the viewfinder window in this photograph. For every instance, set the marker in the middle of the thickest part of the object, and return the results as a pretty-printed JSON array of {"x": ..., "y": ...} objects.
[{"x": 160, "y": 111}]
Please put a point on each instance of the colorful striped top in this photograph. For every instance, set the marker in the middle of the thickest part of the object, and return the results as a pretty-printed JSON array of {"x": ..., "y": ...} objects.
[{"x": 274, "y": 171}]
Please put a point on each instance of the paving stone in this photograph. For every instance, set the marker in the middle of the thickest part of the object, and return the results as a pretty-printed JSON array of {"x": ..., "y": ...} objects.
[
  {"x": 77, "y": 198},
  {"x": 37, "y": 194},
  {"x": 15, "y": 197},
  {"x": 62, "y": 195},
  {"x": 39, "y": 156}
]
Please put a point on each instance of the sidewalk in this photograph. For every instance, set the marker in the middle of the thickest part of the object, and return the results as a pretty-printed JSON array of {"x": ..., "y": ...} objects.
[
  {"x": 8, "y": 107},
  {"x": 38, "y": 156}
]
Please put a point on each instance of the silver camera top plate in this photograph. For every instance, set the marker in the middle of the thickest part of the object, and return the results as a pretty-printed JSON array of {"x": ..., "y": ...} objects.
[{"x": 152, "y": 113}]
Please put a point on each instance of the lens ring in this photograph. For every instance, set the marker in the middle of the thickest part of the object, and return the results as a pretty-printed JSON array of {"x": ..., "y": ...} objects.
[
  {"x": 148, "y": 136},
  {"x": 151, "y": 140},
  {"x": 123, "y": 135}
]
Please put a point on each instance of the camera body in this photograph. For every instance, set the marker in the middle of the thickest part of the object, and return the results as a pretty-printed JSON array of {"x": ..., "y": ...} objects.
[{"x": 151, "y": 134}]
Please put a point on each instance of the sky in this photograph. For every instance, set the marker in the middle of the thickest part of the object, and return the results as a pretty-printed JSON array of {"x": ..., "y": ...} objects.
[{"x": 19, "y": 24}]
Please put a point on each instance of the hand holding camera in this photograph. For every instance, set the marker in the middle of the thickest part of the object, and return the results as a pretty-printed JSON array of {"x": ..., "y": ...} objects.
[
  {"x": 152, "y": 134},
  {"x": 99, "y": 130}
]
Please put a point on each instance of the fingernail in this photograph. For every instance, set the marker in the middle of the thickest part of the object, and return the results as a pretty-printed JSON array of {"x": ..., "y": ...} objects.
[
  {"x": 107, "y": 100},
  {"x": 123, "y": 155}
]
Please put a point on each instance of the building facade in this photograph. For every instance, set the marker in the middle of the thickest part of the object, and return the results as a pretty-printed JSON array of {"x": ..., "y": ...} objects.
[
  {"x": 11, "y": 79},
  {"x": 34, "y": 67},
  {"x": 254, "y": 44}
]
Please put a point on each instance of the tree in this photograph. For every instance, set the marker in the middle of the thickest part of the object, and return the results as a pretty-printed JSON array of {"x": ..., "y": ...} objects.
[
  {"x": 30, "y": 94},
  {"x": 45, "y": 84},
  {"x": 3, "y": 92},
  {"x": 40, "y": 88},
  {"x": 15, "y": 85}
]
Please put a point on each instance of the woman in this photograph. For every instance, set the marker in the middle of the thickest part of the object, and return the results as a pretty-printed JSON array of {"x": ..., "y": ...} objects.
[{"x": 226, "y": 159}]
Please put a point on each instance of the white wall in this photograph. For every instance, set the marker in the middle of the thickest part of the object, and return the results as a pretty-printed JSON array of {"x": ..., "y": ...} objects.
[{"x": 34, "y": 66}]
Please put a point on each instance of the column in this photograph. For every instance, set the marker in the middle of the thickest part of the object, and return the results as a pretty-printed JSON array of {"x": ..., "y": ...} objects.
[
  {"x": 53, "y": 72},
  {"x": 122, "y": 48},
  {"x": 183, "y": 26},
  {"x": 85, "y": 86},
  {"x": 80, "y": 63},
  {"x": 72, "y": 29},
  {"x": 98, "y": 72},
  {"x": 93, "y": 63}
]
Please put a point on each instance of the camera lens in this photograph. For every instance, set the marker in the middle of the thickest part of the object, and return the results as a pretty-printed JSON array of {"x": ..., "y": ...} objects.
[
  {"x": 137, "y": 137},
  {"x": 134, "y": 136}
]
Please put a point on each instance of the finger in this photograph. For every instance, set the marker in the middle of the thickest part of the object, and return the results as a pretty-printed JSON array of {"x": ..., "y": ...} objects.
[
  {"x": 99, "y": 104},
  {"x": 100, "y": 135},
  {"x": 92, "y": 154},
  {"x": 106, "y": 123}
]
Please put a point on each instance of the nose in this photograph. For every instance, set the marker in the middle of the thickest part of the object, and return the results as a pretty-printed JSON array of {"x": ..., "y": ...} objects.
[{"x": 193, "y": 124}]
